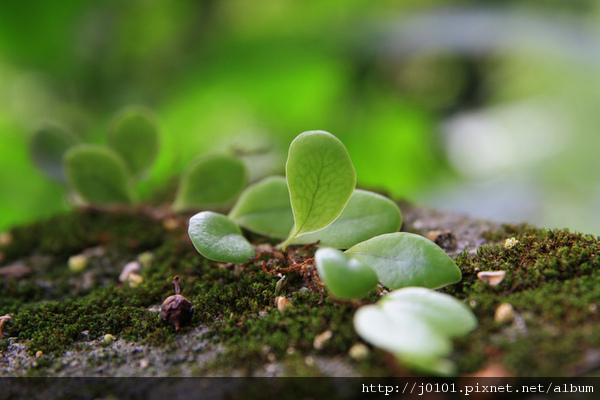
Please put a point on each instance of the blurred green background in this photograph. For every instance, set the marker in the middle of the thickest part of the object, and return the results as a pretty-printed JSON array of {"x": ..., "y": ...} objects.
[{"x": 488, "y": 108}]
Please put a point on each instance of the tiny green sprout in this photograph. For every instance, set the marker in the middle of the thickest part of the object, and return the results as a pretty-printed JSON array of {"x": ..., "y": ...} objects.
[
  {"x": 218, "y": 238},
  {"x": 211, "y": 181},
  {"x": 134, "y": 135},
  {"x": 98, "y": 174},
  {"x": 320, "y": 178},
  {"x": 416, "y": 325},
  {"x": 48, "y": 146}
]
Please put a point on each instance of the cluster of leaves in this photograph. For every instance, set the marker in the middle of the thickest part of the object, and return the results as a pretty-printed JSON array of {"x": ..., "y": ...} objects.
[
  {"x": 104, "y": 175},
  {"x": 317, "y": 201}
]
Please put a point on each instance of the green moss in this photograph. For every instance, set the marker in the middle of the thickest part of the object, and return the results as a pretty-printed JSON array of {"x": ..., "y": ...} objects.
[{"x": 552, "y": 281}]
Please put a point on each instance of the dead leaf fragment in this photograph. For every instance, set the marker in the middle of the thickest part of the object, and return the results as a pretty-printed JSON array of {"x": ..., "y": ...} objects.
[{"x": 492, "y": 278}]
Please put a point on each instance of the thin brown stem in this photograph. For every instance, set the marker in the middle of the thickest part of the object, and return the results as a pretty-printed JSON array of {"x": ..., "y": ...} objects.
[{"x": 176, "y": 284}]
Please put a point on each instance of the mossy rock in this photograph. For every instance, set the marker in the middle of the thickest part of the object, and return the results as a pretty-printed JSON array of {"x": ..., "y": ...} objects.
[{"x": 60, "y": 317}]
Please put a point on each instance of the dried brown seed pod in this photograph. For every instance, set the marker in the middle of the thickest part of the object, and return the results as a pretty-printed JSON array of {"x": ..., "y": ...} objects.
[{"x": 176, "y": 309}]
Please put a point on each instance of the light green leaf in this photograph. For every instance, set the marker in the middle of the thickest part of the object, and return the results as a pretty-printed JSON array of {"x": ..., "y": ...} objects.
[
  {"x": 416, "y": 325},
  {"x": 344, "y": 277},
  {"x": 134, "y": 135},
  {"x": 48, "y": 146},
  {"x": 442, "y": 312},
  {"x": 98, "y": 174},
  {"x": 400, "y": 333},
  {"x": 404, "y": 259},
  {"x": 366, "y": 215},
  {"x": 218, "y": 238},
  {"x": 210, "y": 181},
  {"x": 264, "y": 208},
  {"x": 321, "y": 179}
]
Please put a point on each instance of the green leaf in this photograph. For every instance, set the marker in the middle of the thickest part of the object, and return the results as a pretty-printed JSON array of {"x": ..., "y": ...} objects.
[
  {"x": 400, "y": 333},
  {"x": 48, "y": 146},
  {"x": 442, "y": 312},
  {"x": 404, "y": 259},
  {"x": 344, "y": 277},
  {"x": 366, "y": 215},
  {"x": 264, "y": 208},
  {"x": 98, "y": 174},
  {"x": 321, "y": 179},
  {"x": 210, "y": 181},
  {"x": 134, "y": 135},
  {"x": 218, "y": 238},
  {"x": 416, "y": 325}
]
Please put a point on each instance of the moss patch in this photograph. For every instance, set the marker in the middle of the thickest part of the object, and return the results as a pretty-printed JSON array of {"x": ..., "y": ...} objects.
[{"x": 552, "y": 281}]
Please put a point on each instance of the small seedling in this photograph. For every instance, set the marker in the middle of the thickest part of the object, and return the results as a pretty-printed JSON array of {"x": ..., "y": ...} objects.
[
  {"x": 321, "y": 204},
  {"x": 176, "y": 309}
]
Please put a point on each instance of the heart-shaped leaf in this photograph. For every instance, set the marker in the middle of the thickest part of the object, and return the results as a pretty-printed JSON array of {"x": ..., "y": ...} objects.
[
  {"x": 48, "y": 146},
  {"x": 404, "y": 259},
  {"x": 134, "y": 135},
  {"x": 344, "y": 277},
  {"x": 416, "y": 325},
  {"x": 264, "y": 208},
  {"x": 366, "y": 215},
  {"x": 218, "y": 238},
  {"x": 210, "y": 181},
  {"x": 98, "y": 174},
  {"x": 400, "y": 333},
  {"x": 442, "y": 312},
  {"x": 321, "y": 179}
]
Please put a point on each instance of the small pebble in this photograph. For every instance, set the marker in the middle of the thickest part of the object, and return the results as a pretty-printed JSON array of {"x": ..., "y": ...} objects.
[
  {"x": 39, "y": 353},
  {"x": 134, "y": 280},
  {"x": 144, "y": 363},
  {"x": 146, "y": 258},
  {"x": 309, "y": 361},
  {"x": 170, "y": 224},
  {"x": 108, "y": 338},
  {"x": 321, "y": 338},
  {"x": 504, "y": 313},
  {"x": 128, "y": 269},
  {"x": 77, "y": 263},
  {"x": 6, "y": 238},
  {"x": 358, "y": 352}
]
